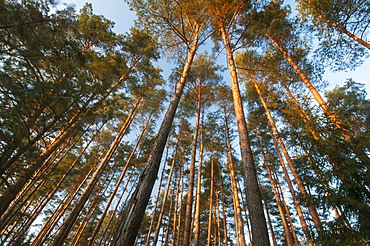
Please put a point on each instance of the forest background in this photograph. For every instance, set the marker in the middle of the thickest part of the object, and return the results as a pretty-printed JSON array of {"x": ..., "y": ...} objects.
[{"x": 267, "y": 143}]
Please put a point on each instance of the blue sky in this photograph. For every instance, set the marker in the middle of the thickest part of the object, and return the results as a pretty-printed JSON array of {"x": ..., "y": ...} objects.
[{"x": 118, "y": 11}]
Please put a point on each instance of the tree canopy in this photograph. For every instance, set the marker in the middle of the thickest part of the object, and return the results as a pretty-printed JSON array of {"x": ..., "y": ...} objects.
[{"x": 243, "y": 144}]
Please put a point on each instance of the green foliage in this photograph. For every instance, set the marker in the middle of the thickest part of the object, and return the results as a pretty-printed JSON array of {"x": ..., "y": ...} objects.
[
  {"x": 336, "y": 48},
  {"x": 56, "y": 65}
]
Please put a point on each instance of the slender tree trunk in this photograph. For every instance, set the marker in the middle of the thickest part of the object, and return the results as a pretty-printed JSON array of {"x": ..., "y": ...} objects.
[
  {"x": 133, "y": 215},
  {"x": 312, "y": 209},
  {"x": 287, "y": 233},
  {"x": 113, "y": 213},
  {"x": 257, "y": 218},
  {"x": 67, "y": 225},
  {"x": 118, "y": 183},
  {"x": 49, "y": 195},
  {"x": 90, "y": 209},
  {"x": 177, "y": 191},
  {"x": 58, "y": 213},
  {"x": 292, "y": 191},
  {"x": 274, "y": 242},
  {"x": 199, "y": 186},
  {"x": 361, "y": 154},
  {"x": 243, "y": 208},
  {"x": 344, "y": 30},
  {"x": 218, "y": 222},
  {"x": 11, "y": 193},
  {"x": 237, "y": 211},
  {"x": 164, "y": 199},
  {"x": 147, "y": 240},
  {"x": 189, "y": 202},
  {"x": 223, "y": 210},
  {"x": 182, "y": 166},
  {"x": 301, "y": 112},
  {"x": 41, "y": 176},
  {"x": 210, "y": 214},
  {"x": 6, "y": 162},
  {"x": 283, "y": 203},
  {"x": 304, "y": 78},
  {"x": 165, "y": 242}
]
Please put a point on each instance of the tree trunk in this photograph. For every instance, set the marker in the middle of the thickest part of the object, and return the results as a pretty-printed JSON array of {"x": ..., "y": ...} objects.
[
  {"x": 312, "y": 209},
  {"x": 361, "y": 154},
  {"x": 133, "y": 215},
  {"x": 165, "y": 242},
  {"x": 177, "y": 200},
  {"x": 180, "y": 199},
  {"x": 58, "y": 213},
  {"x": 113, "y": 213},
  {"x": 274, "y": 242},
  {"x": 210, "y": 214},
  {"x": 291, "y": 189},
  {"x": 257, "y": 218},
  {"x": 344, "y": 30},
  {"x": 118, "y": 182},
  {"x": 199, "y": 186},
  {"x": 29, "y": 189},
  {"x": 68, "y": 223},
  {"x": 49, "y": 195},
  {"x": 287, "y": 234},
  {"x": 164, "y": 199},
  {"x": 11, "y": 193},
  {"x": 147, "y": 240},
  {"x": 189, "y": 202},
  {"x": 83, "y": 110},
  {"x": 237, "y": 211}
]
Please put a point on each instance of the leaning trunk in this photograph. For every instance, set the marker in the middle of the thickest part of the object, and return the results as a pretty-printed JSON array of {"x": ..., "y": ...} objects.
[
  {"x": 344, "y": 30},
  {"x": 134, "y": 214}
]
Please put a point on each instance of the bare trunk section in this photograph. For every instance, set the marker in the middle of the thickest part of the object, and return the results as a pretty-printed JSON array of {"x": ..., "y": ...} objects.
[
  {"x": 237, "y": 211},
  {"x": 68, "y": 223},
  {"x": 119, "y": 181},
  {"x": 361, "y": 154},
  {"x": 224, "y": 214},
  {"x": 147, "y": 240},
  {"x": 210, "y": 221},
  {"x": 257, "y": 218},
  {"x": 312, "y": 209},
  {"x": 58, "y": 212},
  {"x": 199, "y": 186},
  {"x": 287, "y": 233},
  {"x": 165, "y": 242},
  {"x": 49, "y": 196},
  {"x": 292, "y": 192},
  {"x": 164, "y": 199},
  {"x": 189, "y": 201},
  {"x": 134, "y": 213},
  {"x": 344, "y": 30},
  {"x": 274, "y": 242}
]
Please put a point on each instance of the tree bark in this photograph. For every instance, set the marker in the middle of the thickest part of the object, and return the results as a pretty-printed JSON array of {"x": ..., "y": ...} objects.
[
  {"x": 68, "y": 223},
  {"x": 118, "y": 182},
  {"x": 164, "y": 199},
  {"x": 287, "y": 233},
  {"x": 292, "y": 192},
  {"x": 189, "y": 201},
  {"x": 237, "y": 211},
  {"x": 210, "y": 214},
  {"x": 257, "y": 218},
  {"x": 133, "y": 215},
  {"x": 344, "y": 30},
  {"x": 312, "y": 209}
]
